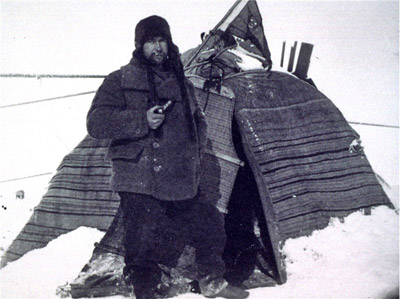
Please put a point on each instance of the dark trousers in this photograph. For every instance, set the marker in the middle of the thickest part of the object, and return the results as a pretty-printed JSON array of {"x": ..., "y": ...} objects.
[{"x": 158, "y": 231}]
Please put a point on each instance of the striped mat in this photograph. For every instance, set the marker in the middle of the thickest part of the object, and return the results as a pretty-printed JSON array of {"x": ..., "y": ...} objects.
[
  {"x": 78, "y": 195},
  {"x": 298, "y": 143}
]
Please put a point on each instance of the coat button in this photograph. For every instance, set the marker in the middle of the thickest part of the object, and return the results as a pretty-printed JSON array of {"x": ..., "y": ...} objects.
[
  {"x": 156, "y": 145},
  {"x": 157, "y": 168},
  {"x": 137, "y": 131}
]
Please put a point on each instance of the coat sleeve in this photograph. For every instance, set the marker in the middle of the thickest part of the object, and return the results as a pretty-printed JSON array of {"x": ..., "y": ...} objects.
[
  {"x": 108, "y": 117},
  {"x": 200, "y": 119}
]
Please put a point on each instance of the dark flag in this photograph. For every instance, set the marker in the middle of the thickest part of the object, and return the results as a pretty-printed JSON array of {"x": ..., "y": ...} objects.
[{"x": 243, "y": 21}]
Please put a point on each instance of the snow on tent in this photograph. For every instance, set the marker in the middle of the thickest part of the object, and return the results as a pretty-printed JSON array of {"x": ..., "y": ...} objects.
[{"x": 281, "y": 161}]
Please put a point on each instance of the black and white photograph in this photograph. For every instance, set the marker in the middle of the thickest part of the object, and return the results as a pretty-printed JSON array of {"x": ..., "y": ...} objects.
[{"x": 199, "y": 149}]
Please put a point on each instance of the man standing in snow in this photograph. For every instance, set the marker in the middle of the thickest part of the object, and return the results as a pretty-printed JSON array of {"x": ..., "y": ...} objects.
[{"x": 158, "y": 134}]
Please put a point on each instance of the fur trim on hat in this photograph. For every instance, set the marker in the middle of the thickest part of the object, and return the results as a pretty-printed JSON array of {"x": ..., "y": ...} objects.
[{"x": 151, "y": 27}]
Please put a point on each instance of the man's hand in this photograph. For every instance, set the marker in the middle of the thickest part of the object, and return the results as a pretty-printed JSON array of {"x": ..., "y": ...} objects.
[{"x": 153, "y": 119}]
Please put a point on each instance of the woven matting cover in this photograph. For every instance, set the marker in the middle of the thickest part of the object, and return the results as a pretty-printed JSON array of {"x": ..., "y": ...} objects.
[
  {"x": 78, "y": 195},
  {"x": 298, "y": 144}
]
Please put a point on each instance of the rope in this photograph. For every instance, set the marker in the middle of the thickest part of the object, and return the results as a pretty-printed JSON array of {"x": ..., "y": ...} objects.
[
  {"x": 39, "y": 76},
  {"x": 27, "y": 177},
  {"x": 375, "y": 125},
  {"x": 49, "y": 99}
]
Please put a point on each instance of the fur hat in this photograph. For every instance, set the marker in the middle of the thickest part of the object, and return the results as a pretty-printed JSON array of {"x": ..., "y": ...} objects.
[{"x": 151, "y": 27}]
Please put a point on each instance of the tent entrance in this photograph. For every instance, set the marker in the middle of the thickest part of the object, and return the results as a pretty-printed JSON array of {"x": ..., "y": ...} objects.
[{"x": 248, "y": 255}]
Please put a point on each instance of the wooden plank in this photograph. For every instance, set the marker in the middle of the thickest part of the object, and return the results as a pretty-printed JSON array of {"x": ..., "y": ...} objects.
[
  {"x": 283, "y": 53},
  {"x": 291, "y": 57},
  {"x": 303, "y": 61}
]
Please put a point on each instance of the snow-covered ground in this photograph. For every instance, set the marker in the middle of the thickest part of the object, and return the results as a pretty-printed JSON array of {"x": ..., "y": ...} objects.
[
  {"x": 355, "y": 63},
  {"x": 355, "y": 259}
]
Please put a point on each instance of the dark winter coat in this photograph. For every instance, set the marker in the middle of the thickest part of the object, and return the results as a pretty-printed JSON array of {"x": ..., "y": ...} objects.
[{"x": 163, "y": 164}]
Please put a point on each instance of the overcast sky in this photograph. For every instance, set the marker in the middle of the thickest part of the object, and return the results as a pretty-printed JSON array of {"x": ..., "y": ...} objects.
[{"x": 97, "y": 37}]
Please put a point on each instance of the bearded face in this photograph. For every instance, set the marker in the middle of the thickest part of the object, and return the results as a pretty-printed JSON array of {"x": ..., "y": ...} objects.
[{"x": 156, "y": 50}]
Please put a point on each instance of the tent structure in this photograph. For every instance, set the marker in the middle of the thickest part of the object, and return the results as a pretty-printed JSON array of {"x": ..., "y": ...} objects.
[{"x": 281, "y": 160}]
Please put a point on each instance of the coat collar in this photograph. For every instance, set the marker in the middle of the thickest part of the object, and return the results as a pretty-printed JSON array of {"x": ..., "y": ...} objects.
[{"x": 134, "y": 76}]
